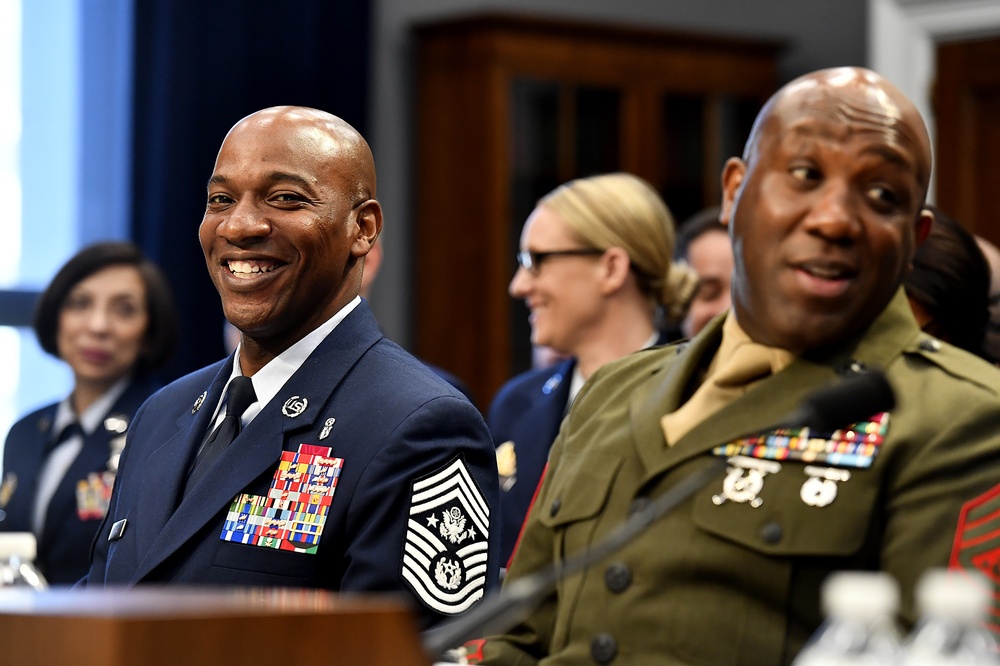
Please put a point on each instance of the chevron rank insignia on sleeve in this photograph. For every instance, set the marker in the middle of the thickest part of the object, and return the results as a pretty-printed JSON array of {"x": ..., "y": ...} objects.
[{"x": 447, "y": 540}]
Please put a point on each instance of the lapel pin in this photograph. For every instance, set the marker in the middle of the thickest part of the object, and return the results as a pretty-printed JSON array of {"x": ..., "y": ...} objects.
[
  {"x": 7, "y": 488},
  {"x": 327, "y": 427},
  {"x": 118, "y": 530},
  {"x": 199, "y": 402},
  {"x": 294, "y": 406},
  {"x": 507, "y": 465},
  {"x": 552, "y": 384},
  {"x": 117, "y": 423}
]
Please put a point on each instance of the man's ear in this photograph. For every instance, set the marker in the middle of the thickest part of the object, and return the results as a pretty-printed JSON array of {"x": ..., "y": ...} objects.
[
  {"x": 732, "y": 178},
  {"x": 924, "y": 222},
  {"x": 369, "y": 219}
]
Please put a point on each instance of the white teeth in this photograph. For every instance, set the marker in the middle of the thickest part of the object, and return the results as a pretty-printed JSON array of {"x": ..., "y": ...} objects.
[
  {"x": 249, "y": 267},
  {"x": 827, "y": 273}
]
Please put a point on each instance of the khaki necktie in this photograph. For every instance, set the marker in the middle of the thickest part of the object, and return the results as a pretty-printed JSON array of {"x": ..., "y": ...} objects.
[{"x": 749, "y": 363}]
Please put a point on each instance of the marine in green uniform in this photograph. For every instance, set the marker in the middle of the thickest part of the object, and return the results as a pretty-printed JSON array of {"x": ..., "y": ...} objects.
[{"x": 825, "y": 210}]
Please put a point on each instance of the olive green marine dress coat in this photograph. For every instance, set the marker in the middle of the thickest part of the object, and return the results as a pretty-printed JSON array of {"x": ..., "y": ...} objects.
[{"x": 722, "y": 581}]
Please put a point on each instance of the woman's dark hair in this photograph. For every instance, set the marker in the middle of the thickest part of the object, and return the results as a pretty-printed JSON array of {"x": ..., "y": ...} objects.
[
  {"x": 163, "y": 327},
  {"x": 951, "y": 280}
]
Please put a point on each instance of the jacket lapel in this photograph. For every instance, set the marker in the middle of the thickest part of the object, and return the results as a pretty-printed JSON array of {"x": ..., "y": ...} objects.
[
  {"x": 258, "y": 447},
  {"x": 172, "y": 458}
]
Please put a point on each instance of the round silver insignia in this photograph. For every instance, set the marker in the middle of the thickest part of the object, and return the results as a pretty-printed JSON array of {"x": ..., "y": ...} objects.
[
  {"x": 198, "y": 402},
  {"x": 818, "y": 492},
  {"x": 294, "y": 406}
]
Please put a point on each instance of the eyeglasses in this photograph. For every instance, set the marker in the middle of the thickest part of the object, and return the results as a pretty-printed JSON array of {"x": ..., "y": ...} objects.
[{"x": 532, "y": 261}]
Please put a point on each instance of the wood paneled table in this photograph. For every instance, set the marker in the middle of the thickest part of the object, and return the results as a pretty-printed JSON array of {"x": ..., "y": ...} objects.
[{"x": 153, "y": 626}]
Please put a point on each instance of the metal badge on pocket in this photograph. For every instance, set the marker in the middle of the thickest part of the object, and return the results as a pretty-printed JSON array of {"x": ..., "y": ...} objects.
[{"x": 745, "y": 480}]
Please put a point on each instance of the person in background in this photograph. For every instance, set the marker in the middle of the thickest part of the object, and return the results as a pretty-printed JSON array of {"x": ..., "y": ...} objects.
[
  {"x": 948, "y": 286},
  {"x": 319, "y": 454},
  {"x": 109, "y": 315},
  {"x": 372, "y": 264},
  {"x": 703, "y": 244},
  {"x": 991, "y": 343},
  {"x": 825, "y": 211},
  {"x": 595, "y": 269}
]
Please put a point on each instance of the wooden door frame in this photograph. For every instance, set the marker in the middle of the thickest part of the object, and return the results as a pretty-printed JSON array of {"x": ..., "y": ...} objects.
[{"x": 902, "y": 39}]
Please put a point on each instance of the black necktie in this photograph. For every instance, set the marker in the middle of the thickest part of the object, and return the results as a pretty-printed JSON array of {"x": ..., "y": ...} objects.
[
  {"x": 240, "y": 395},
  {"x": 71, "y": 429}
]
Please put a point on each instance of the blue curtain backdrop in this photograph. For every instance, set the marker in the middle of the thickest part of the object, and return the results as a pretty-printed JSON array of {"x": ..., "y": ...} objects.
[{"x": 200, "y": 66}]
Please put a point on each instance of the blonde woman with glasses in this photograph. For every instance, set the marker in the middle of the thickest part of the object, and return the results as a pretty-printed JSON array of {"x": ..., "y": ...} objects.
[{"x": 596, "y": 272}]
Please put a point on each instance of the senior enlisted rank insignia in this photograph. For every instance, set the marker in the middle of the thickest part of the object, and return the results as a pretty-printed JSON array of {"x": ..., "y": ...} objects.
[{"x": 447, "y": 540}]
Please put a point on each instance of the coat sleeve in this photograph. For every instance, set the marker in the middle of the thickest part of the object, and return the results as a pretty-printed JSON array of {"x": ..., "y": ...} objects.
[
  {"x": 942, "y": 504},
  {"x": 424, "y": 516}
]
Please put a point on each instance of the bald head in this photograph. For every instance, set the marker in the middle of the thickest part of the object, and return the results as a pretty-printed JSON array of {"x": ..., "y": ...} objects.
[
  {"x": 857, "y": 100},
  {"x": 317, "y": 132},
  {"x": 291, "y": 216},
  {"x": 826, "y": 208}
]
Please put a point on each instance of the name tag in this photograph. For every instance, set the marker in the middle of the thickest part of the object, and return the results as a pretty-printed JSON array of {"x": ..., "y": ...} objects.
[{"x": 118, "y": 529}]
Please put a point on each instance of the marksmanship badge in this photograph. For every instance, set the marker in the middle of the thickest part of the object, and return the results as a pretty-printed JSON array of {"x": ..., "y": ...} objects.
[{"x": 447, "y": 540}]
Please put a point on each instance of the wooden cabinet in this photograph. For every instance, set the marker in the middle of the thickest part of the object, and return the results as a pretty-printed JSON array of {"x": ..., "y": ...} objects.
[
  {"x": 508, "y": 108},
  {"x": 967, "y": 152}
]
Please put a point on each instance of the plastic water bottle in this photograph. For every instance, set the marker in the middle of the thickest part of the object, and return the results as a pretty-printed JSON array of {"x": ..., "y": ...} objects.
[
  {"x": 953, "y": 605},
  {"x": 859, "y": 629},
  {"x": 17, "y": 557}
]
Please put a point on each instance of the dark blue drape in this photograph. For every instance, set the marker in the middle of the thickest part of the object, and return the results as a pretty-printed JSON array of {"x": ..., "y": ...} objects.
[{"x": 200, "y": 66}]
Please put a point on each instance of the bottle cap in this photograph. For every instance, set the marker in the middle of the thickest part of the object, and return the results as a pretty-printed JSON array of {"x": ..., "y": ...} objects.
[
  {"x": 864, "y": 595},
  {"x": 20, "y": 544},
  {"x": 957, "y": 594}
]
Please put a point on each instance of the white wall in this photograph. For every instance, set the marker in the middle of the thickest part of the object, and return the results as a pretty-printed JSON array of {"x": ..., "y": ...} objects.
[{"x": 903, "y": 35}]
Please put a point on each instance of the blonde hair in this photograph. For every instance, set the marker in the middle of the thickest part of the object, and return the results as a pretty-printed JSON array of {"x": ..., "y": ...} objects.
[{"x": 622, "y": 210}]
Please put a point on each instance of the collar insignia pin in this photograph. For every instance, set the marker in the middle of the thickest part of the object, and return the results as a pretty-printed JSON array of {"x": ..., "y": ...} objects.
[
  {"x": 198, "y": 403},
  {"x": 117, "y": 423},
  {"x": 294, "y": 406}
]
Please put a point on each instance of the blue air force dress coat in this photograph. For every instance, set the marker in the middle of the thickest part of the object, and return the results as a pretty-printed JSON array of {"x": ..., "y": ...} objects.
[
  {"x": 524, "y": 420},
  {"x": 365, "y": 472},
  {"x": 76, "y": 508},
  {"x": 732, "y": 575}
]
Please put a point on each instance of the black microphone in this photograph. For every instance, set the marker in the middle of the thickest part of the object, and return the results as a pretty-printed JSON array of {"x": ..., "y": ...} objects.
[
  {"x": 828, "y": 408},
  {"x": 850, "y": 400}
]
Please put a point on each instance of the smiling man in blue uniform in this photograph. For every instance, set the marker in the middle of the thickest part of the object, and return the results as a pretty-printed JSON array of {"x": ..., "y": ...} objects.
[
  {"x": 825, "y": 210},
  {"x": 353, "y": 467}
]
